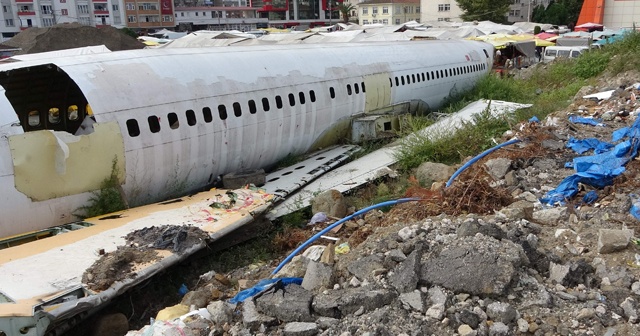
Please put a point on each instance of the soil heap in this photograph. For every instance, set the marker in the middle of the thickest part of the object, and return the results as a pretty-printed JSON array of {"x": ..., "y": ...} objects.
[{"x": 71, "y": 35}]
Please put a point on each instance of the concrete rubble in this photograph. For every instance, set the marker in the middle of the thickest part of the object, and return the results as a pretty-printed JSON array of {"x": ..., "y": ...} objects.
[{"x": 524, "y": 269}]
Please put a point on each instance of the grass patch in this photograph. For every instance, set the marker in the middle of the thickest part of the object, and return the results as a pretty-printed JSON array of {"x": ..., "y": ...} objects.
[{"x": 106, "y": 200}]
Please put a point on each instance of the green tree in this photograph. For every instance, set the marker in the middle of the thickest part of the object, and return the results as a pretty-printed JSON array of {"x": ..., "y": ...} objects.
[
  {"x": 346, "y": 9},
  {"x": 560, "y": 12},
  {"x": 129, "y": 31},
  {"x": 481, "y": 10},
  {"x": 538, "y": 14}
]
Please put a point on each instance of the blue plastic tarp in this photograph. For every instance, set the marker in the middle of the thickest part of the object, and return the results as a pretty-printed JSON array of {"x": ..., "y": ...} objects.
[
  {"x": 260, "y": 286},
  {"x": 582, "y": 120},
  {"x": 581, "y": 146},
  {"x": 598, "y": 170}
]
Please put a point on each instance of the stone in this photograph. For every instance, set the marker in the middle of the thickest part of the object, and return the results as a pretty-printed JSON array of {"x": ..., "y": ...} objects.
[
  {"x": 518, "y": 210},
  {"x": 436, "y": 312},
  {"x": 407, "y": 233},
  {"x": 465, "y": 330},
  {"x": 498, "y": 168},
  {"x": 429, "y": 172},
  {"x": 300, "y": 329},
  {"x": 314, "y": 253},
  {"x": 291, "y": 305},
  {"x": 613, "y": 240},
  {"x": 396, "y": 255},
  {"x": 413, "y": 301},
  {"x": 629, "y": 307},
  {"x": 198, "y": 298},
  {"x": 471, "y": 227},
  {"x": 220, "y": 312},
  {"x": 319, "y": 275},
  {"x": 331, "y": 202},
  {"x": 296, "y": 268},
  {"x": 338, "y": 303},
  {"x": 252, "y": 319},
  {"x": 363, "y": 268},
  {"x": 550, "y": 216},
  {"x": 586, "y": 313},
  {"x": 501, "y": 312},
  {"x": 469, "y": 318},
  {"x": 437, "y": 295},
  {"x": 523, "y": 325},
  {"x": 477, "y": 265},
  {"x": 499, "y": 329},
  {"x": 558, "y": 272},
  {"x": 111, "y": 325},
  {"x": 407, "y": 273}
]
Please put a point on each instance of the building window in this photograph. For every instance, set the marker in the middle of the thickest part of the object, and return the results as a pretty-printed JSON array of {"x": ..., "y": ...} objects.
[
  {"x": 196, "y": 13},
  {"x": 115, "y": 8},
  {"x": 63, "y": 1},
  {"x": 46, "y": 9},
  {"x": 444, "y": 7},
  {"x": 385, "y": 10},
  {"x": 148, "y": 6},
  {"x": 64, "y": 11},
  {"x": 365, "y": 10},
  {"x": 375, "y": 21},
  {"x": 374, "y": 10},
  {"x": 47, "y": 22},
  {"x": 167, "y": 18},
  {"x": 365, "y": 21},
  {"x": 131, "y": 18},
  {"x": 84, "y": 21},
  {"x": 397, "y": 21},
  {"x": 417, "y": 9},
  {"x": 83, "y": 9},
  {"x": 385, "y": 21},
  {"x": 8, "y": 22},
  {"x": 131, "y": 6}
]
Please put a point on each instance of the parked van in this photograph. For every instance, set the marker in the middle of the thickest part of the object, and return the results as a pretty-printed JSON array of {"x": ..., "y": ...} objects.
[{"x": 550, "y": 53}]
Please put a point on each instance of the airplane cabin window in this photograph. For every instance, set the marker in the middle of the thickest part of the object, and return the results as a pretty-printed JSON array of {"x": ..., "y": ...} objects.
[
  {"x": 154, "y": 124},
  {"x": 390, "y": 82},
  {"x": 418, "y": 77},
  {"x": 173, "y": 120},
  {"x": 301, "y": 96},
  {"x": 206, "y": 113},
  {"x": 265, "y": 104},
  {"x": 191, "y": 118},
  {"x": 332, "y": 92},
  {"x": 54, "y": 115},
  {"x": 349, "y": 89},
  {"x": 252, "y": 107},
  {"x": 363, "y": 90},
  {"x": 397, "y": 82},
  {"x": 356, "y": 87},
  {"x": 422, "y": 76},
  {"x": 432, "y": 76},
  {"x": 402, "y": 79},
  {"x": 408, "y": 80},
  {"x": 132, "y": 128},
  {"x": 312, "y": 95},
  {"x": 278, "y": 102},
  {"x": 222, "y": 112},
  {"x": 292, "y": 100},
  {"x": 237, "y": 111},
  {"x": 72, "y": 112},
  {"x": 486, "y": 53},
  {"x": 441, "y": 73},
  {"x": 34, "y": 118},
  {"x": 413, "y": 78},
  {"x": 428, "y": 78}
]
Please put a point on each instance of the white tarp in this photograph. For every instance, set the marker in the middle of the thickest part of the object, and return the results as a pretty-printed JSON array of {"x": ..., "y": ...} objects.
[{"x": 61, "y": 53}]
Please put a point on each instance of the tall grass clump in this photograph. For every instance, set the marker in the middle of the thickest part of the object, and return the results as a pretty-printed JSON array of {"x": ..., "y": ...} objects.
[{"x": 106, "y": 200}]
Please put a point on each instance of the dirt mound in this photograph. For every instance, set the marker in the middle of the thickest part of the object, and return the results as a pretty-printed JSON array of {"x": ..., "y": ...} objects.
[
  {"x": 71, "y": 35},
  {"x": 141, "y": 248}
]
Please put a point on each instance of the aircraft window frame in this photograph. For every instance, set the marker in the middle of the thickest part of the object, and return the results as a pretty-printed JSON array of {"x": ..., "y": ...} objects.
[
  {"x": 390, "y": 82},
  {"x": 413, "y": 78},
  {"x": 363, "y": 88},
  {"x": 30, "y": 120},
  {"x": 191, "y": 117},
  {"x": 154, "y": 124},
  {"x": 402, "y": 80},
  {"x": 252, "y": 106},
  {"x": 441, "y": 74},
  {"x": 279, "y": 104},
  {"x": 428, "y": 78},
  {"x": 432, "y": 76},
  {"x": 397, "y": 81},
  {"x": 349, "y": 92},
  {"x": 332, "y": 92},
  {"x": 301, "y": 97},
  {"x": 53, "y": 116},
  {"x": 132, "y": 128},
  {"x": 72, "y": 113},
  {"x": 437, "y": 74},
  {"x": 356, "y": 87},
  {"x": 206, "y": 114},
  {"x": 418, "y": 77},
  {"x": 237, "y": 109},
  {"x": 292, "y": 100},
  {"x": 486, "y": 53},
  {"x": 222, "y": 112},
  {"x": 423, "y": 77},
  {"x": 265, "y": 104},
  {"x": 408, "y": 79},
  {"x": 312, "y": 95},
  {"x": 173, "y": 120}
]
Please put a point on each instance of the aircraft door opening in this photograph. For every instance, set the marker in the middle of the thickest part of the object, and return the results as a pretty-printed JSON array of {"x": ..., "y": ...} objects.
[{"x": 378, "y": 92}]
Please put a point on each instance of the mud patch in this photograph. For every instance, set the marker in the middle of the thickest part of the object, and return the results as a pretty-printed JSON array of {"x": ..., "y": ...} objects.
[{"x": 142, "y": 247}]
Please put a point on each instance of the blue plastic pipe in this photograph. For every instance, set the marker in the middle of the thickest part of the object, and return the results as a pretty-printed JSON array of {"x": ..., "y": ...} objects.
[
  {"x": 328, "y": 228},
  {"x": 480, "y": 156}
]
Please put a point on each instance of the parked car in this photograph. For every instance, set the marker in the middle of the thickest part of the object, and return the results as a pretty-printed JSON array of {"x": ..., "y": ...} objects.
[{"x": 553, "y": 52}]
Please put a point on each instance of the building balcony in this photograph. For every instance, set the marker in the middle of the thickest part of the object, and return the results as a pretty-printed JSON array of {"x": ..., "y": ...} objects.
[
  {"x": 26, "y": 13},
  {"x": 23, "y": 1},
  {"x": 101, "y": 12}
]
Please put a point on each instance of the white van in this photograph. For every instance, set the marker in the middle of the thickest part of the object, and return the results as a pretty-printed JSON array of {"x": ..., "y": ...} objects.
[{"x": 550, "y": 53}]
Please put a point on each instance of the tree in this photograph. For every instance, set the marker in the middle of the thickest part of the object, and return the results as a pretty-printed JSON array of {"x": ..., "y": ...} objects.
[
  {"x": 345, "y": 9},
  {"x": 481, "y": 10}
]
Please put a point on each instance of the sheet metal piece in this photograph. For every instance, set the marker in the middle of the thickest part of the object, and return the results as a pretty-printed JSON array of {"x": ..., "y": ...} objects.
[
  {"x": 53, "y": 267},
  {"x": 376, "y": 164},
  {"x": 285, "y": 181}
]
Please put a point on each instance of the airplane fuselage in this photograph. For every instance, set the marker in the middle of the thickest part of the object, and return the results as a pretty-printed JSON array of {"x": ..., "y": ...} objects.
[{"x": 172, "y": 120}]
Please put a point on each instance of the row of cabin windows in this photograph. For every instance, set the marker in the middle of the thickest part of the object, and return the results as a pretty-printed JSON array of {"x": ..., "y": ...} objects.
[
  {"x": 356, "y": 87},
  {"x": 53, "y": 116},
  {"x": 437, "y": 74},
  {"x": 154, "y": 122}
]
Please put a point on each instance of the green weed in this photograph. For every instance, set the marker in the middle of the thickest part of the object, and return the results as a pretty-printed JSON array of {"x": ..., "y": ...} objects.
[{"x": 106, "y": 200}]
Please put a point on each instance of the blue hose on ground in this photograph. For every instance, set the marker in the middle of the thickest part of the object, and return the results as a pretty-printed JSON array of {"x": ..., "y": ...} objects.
[
  {"x": 328, "y": 228},
  {"x": 480, "y": 156}
]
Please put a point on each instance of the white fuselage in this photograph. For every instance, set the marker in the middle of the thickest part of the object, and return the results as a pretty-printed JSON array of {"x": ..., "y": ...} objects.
[{"x": 174, "y": 119}]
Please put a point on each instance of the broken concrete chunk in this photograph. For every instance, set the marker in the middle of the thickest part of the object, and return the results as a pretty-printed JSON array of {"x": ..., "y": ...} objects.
[
  {"x": 550, "y": 216},
  {"x": 289, "y": 305},
  {"x": 363, "y": 268},
  {"x": 319, "y": 275},
  {"x": 613, "y": 240},
  {"x": 252, "y": 319},
  {"x": 498, "y": 168},
  {"x": 300, "y": 329},
  {"x": 342, "y": 302},
  {"x": 429, "y": 172},
  {"x": 406, "y": 274},
  {"x": 330, "y": 202}
]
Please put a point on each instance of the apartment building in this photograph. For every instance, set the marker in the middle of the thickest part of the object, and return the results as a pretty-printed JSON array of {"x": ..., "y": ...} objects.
[
  {"x": 388, "y": 12},
  {"x": 521, "y": 10},
  {"x": 440, "y": 10},
  {"x": 219, "y": 18}
]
